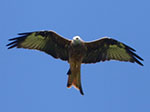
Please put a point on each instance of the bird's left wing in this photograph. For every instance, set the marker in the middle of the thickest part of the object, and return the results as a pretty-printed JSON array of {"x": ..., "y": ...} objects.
[
  {"x": 46, "y": 41},
  {"x": 109, "y": 49}
]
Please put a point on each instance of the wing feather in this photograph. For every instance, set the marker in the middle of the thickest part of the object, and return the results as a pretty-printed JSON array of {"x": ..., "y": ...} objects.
[
  {"x": 109, "y": 49},
  {"x": 46, "y": 41}
]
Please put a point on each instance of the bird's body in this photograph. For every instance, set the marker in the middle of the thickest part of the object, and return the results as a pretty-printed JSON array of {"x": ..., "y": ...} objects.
[{"x": 76, "y": 51}]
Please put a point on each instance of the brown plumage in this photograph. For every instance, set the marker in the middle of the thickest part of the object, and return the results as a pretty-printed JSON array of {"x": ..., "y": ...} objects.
[{"x": 75, "y": 51}]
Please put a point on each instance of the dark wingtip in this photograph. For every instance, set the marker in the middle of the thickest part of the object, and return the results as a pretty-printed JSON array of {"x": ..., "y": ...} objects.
[
  {"x": 138, "y": 62},
  {"x": 26, "y": 33},
  {"x": 130, "y": 48},
  {"x": 12, "y": 46},
  {"x": 135, "y": 57},
  {"x": 15, "y": 41}
]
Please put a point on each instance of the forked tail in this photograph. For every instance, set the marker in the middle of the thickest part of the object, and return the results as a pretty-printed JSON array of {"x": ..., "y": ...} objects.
[{"x": 74, "y": 79}]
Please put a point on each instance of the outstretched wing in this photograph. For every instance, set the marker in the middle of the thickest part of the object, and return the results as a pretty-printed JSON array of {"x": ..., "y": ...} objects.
[
  {"x": 109, "y": 49},
  {"x": 47, "y": 41}
]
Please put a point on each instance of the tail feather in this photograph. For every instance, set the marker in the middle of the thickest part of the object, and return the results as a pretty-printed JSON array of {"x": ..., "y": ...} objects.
[
  {"x": 74, "y": 80},
  {"x": 69, "y": 72}
]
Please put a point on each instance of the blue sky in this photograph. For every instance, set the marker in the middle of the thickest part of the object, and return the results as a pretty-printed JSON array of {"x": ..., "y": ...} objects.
[{"x": 32, "y": 81}]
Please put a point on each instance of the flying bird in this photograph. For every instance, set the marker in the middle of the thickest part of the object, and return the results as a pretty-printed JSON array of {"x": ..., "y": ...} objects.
[{"x": 75, "y": 51}]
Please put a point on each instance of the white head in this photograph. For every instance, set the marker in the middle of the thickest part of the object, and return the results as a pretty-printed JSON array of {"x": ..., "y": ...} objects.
[{"x": 77, "y": 40}]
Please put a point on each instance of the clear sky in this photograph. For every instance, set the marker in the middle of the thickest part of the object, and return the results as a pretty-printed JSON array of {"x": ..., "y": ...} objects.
[{"x": 32, "y": 81}]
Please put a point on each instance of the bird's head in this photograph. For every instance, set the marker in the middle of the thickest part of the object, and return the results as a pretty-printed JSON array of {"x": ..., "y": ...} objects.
[{"x": 77, "y": 40}]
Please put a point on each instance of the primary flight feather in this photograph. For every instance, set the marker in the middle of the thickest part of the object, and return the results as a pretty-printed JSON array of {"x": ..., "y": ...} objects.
[{"x": 75, "y": 51}]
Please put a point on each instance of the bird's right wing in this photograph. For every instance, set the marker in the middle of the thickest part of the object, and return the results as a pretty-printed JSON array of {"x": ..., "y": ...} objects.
[
  {"x": 47, "y": 41},
  {"x": 109, "y": 49}
]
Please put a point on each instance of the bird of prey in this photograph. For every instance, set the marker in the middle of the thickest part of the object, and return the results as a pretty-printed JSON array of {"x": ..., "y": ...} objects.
[{"x": 75, "y": 51}]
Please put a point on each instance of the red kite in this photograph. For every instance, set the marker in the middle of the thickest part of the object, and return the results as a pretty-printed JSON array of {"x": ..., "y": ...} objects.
[{"x": 75, "y": 51}]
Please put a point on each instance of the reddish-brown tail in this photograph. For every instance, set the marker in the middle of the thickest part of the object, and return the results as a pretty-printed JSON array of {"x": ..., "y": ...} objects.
[{"x": 74, "y": 79}]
